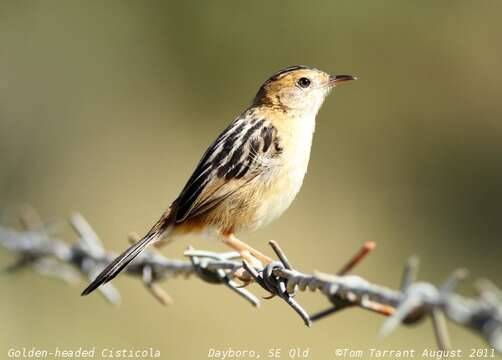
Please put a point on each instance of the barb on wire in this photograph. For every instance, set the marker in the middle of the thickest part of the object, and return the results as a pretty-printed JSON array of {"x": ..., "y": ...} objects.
[
  {"x": 277, "y": 285},
  {"x": 35, "y": 246},
  {"x": 217, "y": 275}
]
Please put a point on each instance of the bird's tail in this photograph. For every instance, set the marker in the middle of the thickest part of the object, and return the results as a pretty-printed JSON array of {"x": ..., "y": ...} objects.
[{"x": 160, "y": 229}]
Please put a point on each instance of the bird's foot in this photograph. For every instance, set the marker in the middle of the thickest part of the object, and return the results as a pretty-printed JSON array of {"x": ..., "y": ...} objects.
[
  {"x": 253, "y": 256},
  {"x": 251, "y": 260}
]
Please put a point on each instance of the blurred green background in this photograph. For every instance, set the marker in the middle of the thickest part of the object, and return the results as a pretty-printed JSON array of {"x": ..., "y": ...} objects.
[{"x": 106, "y": 107}]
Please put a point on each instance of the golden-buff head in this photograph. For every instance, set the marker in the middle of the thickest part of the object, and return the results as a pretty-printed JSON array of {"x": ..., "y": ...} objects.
[{"x": 298, "y": 89}]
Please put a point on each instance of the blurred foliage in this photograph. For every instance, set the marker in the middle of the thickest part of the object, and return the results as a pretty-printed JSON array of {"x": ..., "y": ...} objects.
[{"x": 106, "y": 107}]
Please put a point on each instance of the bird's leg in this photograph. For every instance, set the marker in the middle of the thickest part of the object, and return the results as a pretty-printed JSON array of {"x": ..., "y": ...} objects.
[{"x": 249, "y": 254}]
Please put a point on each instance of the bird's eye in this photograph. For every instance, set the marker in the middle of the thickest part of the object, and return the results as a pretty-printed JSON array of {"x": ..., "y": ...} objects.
[{"x": 304, "y": 82}]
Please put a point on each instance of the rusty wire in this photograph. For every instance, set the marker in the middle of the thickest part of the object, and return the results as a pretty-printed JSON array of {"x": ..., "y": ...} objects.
[{"x": 35, "y": 246}]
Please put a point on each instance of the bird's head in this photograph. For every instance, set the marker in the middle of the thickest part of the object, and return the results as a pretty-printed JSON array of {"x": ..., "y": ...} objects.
[{"x": 300, "y": 89}]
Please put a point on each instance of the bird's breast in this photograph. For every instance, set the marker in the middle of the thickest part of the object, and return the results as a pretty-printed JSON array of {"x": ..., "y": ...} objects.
[{"x": 282, "y": 184}]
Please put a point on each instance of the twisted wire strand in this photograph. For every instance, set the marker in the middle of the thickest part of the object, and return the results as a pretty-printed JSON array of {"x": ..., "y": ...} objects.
[{"x": 36, "y": 247}]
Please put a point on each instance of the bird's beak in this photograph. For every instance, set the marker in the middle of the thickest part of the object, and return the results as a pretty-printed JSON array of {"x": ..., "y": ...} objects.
[{"x": 336, "y": 79}]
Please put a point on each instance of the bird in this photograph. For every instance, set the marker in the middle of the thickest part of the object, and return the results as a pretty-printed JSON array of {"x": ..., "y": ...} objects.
[{"x": 250, "y": 174}]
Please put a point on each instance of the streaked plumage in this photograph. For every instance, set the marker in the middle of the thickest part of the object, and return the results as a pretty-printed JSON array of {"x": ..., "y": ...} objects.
[{"x": 253, "y": 170}]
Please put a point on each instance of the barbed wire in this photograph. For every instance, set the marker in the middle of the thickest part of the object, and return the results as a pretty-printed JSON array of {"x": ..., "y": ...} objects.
[{"x": 36, "y": 246}]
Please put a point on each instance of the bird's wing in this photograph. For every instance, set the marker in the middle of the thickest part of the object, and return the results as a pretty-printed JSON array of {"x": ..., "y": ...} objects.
[{"x": 246, "y": 149}]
